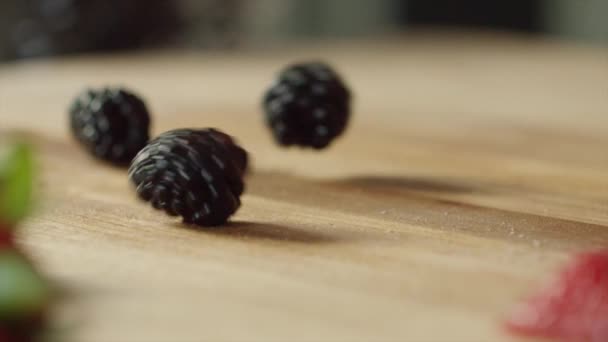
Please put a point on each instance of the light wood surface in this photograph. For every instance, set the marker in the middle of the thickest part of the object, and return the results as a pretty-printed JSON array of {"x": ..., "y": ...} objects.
[{"x": 474, "y": 166}]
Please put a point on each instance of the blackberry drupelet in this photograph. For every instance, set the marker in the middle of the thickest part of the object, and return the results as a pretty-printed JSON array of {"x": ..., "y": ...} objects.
[
  {"x": 195, "y": 174},
  {"x": 112, "y": 124},
  {"x": 309, "y": 105}
]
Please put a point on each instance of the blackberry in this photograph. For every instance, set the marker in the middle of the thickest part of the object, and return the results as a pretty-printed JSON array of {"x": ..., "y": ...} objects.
[
  {"x": 195, "y": 174},
  {"x": 112, "y": 124},
  {"x": 309, "y": 106}
]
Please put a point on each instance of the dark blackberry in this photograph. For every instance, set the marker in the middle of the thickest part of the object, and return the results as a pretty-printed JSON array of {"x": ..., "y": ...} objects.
[
  {"x": 112, "y": 124},
  {"x": 309, "y": 106},
  {"x": 196, "y": 174}
]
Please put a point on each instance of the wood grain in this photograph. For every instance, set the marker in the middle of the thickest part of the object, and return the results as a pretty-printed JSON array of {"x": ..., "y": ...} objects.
[{"x": 474, "y": 166}]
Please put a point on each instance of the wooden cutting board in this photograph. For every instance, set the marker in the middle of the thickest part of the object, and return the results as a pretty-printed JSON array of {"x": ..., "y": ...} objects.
[{"x": 474, "y": 166}]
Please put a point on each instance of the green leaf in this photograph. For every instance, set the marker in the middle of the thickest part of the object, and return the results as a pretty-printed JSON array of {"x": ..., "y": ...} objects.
[
  {"x": 23, "y": 292},
  {"x": 16, "y": 183}
]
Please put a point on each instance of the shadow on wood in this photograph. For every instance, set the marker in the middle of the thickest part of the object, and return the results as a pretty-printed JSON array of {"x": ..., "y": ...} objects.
[
  {"x": 386, "y": 183},
  {"x": 396, "y": 183},
  {"x": 266, "y": 231}
]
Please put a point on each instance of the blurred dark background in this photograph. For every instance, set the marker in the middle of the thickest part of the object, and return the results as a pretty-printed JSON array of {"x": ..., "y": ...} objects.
[{"x": 34, "y": 28}]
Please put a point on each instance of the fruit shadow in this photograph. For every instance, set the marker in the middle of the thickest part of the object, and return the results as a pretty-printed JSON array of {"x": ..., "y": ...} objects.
[
  {"x": 248, "y": 230},
  {"x": 260, "y": 181},
  {"x": 398, "y": 183}
]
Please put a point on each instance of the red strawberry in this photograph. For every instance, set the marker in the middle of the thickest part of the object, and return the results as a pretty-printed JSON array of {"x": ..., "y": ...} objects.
[
  {"x": 6, "y": 237},
  {"x": 573, "y": 308},
  {"x": 6, "y": 336},
  {"x": 26, "y": 331}
]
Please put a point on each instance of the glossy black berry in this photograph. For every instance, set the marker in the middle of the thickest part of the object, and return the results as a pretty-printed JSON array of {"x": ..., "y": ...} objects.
[
  {"x": 112, "y": 124},
  {"x": 195, "y": 174},
  {"x": 309, "y": 105}
]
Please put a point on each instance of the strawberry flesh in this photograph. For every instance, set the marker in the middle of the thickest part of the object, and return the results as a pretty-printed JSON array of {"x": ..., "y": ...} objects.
[{"x": 573, "y": 308}]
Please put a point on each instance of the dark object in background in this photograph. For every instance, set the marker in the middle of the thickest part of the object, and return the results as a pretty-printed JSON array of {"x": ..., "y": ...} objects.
[
  {"x": 520, "y": 15},
  {"x": 212, "y": 24},
  {"x": 196, "y": 174},
  {"x": 50, "y": 27},
  {"x": 308, "y": 106},
  {"x": 111, "y": 124}
]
